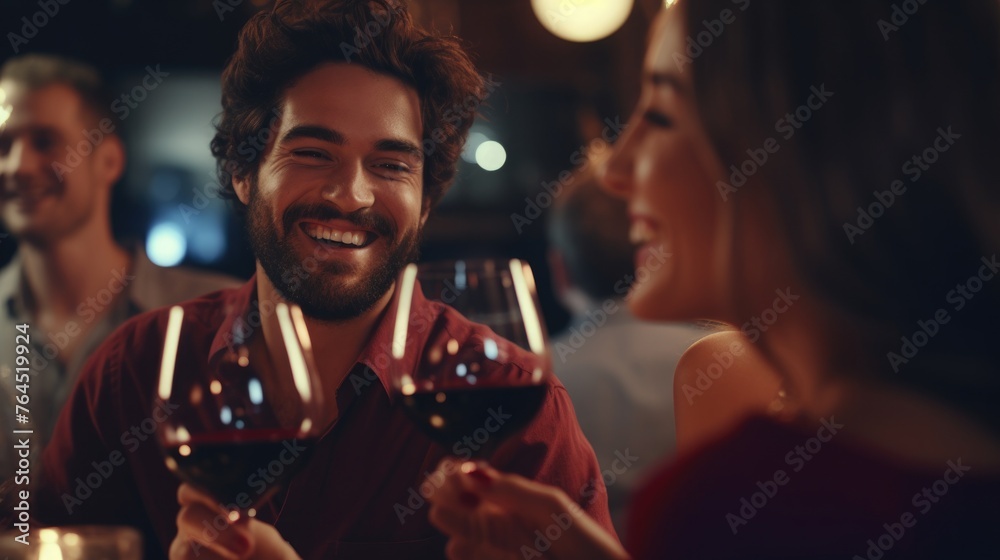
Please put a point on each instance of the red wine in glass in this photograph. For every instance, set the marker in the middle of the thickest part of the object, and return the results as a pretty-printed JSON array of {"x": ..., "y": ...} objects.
[
  {"x": 472, "y": 395},
  {"x": 241, "y": 431},
  {"x": 247, "y": 467},
  {"x": 474, "y": 421}
]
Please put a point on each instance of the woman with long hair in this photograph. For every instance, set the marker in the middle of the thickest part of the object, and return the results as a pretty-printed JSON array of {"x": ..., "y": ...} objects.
[{"x": 823, "y": 174}]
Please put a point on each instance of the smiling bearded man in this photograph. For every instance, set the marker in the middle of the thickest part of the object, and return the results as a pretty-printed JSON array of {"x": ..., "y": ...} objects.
[{"x": 363, "y": 144}]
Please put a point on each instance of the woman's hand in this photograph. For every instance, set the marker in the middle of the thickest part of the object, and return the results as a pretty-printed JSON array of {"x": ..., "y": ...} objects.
[
  {"x": 198, "y": 535},
  {"x": 489, "y": 515}
]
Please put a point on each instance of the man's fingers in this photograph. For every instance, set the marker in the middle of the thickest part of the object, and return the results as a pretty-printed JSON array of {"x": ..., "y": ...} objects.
[
  {"x": 209, "y": 530},
  {"x": 533, "y": 502},
  {"x": 187, "y": 494},
  {"x": 485, "y": 525}
]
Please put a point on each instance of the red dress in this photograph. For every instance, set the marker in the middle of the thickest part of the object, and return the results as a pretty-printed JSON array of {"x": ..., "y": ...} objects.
[{"x": 770, "y": 490}]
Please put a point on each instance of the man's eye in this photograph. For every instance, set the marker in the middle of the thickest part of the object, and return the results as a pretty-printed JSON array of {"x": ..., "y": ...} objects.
[
  {"x": 398, "y": 167},
  {"x": 658, "y": 119},
  {"x": 311, "y": 154},
  {"x": 43, "y": 142}
]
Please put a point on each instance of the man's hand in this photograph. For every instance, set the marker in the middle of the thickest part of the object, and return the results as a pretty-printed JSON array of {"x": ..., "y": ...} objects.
[
  {"x": 490, "y": 515},
  {"x": 244, "y": 540}
]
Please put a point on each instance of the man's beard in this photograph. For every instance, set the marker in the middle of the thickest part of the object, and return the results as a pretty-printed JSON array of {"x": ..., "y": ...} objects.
[{"x": 313, "y": 282}]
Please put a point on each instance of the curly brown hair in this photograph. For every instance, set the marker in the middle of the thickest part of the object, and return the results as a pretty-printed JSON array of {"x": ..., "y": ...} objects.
[{"x": 278, "y": 46}]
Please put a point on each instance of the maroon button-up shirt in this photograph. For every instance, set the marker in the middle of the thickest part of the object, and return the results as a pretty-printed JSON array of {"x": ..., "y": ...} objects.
[{"x": 359, "y": 496}]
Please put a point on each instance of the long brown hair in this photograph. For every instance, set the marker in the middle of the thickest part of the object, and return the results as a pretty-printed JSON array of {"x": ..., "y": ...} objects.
[{"x": 902, "y": 73}]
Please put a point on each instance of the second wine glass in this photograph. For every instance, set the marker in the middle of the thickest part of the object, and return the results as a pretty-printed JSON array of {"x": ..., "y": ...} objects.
[{"x": 471, "y": 358}]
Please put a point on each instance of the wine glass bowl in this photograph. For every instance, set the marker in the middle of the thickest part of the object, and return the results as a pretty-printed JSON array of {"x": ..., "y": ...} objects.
[
  {"x": 239, "y": 428},
  {"x": 480, "y": 351}
]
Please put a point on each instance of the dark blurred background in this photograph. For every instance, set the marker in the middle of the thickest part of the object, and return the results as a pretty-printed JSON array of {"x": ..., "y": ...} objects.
[{"x": 555, "y": 99}]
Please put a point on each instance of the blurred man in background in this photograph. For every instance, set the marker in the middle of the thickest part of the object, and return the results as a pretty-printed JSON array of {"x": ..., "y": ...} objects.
[
  {"x": 70, "y": 284},
  {"x": 618, "y": 370}
]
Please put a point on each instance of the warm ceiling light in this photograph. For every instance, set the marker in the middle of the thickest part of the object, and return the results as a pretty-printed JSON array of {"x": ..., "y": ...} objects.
[{"x": 582, "y": 21}]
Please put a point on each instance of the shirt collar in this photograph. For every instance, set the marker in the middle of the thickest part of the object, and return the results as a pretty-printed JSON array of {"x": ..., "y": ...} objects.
[
  {"x": 242, "y": 317},
  {"x": 13, "y": 286}
]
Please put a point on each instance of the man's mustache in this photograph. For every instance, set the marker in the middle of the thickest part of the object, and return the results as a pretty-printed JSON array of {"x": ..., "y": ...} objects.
[{"x": 13, "y": 188}]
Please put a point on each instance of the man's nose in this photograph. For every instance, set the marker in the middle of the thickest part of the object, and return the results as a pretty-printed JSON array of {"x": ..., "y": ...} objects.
[{"x": 350, "y": 188}]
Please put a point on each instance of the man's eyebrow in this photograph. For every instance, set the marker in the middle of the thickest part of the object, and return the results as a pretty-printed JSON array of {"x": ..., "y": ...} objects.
[
  {"x": 665, "y": 79},
  {"x": 316, "y": 132},
  {"x": 399, "y": 145}
]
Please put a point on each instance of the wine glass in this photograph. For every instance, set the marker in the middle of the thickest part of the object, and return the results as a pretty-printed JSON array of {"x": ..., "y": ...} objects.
[
  {"x": 470, "y": 353},
  {"x": 239, "y": 428}
]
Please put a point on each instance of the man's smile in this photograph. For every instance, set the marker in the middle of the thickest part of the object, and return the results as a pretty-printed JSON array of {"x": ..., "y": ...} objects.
[{"x": 338, "y": 236}]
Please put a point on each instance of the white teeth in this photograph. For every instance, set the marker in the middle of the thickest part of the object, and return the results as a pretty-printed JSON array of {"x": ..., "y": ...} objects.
[
  {"x": 346, "y": 237},
  {"x": 641, "y": 232}
]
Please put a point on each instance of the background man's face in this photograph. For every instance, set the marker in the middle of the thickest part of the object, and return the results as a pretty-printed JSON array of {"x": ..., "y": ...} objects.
[
  {"x": 45, "y": 126},
  {"x": 337, "y": 206}
]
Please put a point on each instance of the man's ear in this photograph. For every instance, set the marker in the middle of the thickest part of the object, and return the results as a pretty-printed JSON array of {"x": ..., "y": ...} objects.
[
  {"x": 425, "y": 212},
  {"x": 110, "y": 159},
  {"x": 242, "y": 187}
]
